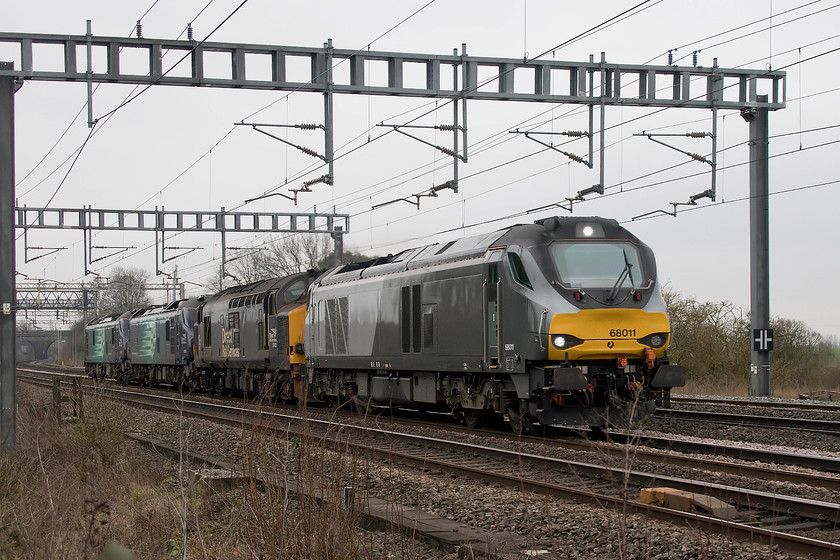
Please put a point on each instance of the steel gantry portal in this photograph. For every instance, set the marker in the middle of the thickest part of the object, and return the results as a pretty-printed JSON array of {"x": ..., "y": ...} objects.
[{"x": 592, "y": 83}]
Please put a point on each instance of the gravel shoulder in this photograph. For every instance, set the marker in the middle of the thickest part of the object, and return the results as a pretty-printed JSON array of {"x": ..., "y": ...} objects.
[{"x": 565, "y": 528}]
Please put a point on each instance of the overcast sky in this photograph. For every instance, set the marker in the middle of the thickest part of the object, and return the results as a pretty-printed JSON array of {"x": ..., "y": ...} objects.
[{"x": 178, "y": 148}]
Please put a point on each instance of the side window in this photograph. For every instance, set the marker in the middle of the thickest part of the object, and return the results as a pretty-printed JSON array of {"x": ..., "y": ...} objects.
[
  {"x": 233, "y": 324},
  {"x": 292, "y": 292},
  {"x": 518, "y": 270},
  {"x": 207, "y": 331}
]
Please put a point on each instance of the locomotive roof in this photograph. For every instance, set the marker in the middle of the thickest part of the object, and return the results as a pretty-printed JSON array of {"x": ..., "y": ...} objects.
[
  {"x": 565, "y": 227},
  {"x": 258, "y": 287},
  {"x": 167, "y": 308},
  {"x": 108, "y": 318},
  {"x": 476, "y": 246}
]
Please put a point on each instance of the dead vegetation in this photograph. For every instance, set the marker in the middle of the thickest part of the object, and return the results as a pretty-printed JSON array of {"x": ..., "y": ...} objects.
[{"x": 82, "y": 491}]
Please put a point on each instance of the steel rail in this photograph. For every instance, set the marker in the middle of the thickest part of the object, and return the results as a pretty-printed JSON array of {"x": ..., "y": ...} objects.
[
  {"x": 835, "y": 407},
  {"x": 801, "y": 424}
]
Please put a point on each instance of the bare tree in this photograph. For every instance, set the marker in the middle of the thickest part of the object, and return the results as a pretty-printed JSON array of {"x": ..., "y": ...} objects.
[
  {"x": 125, "y": 290},
  {"x": 280, "y": 257}
]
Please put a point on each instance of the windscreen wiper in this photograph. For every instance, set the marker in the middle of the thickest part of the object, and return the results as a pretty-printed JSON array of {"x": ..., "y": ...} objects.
[{"x": 625, "y": 273}]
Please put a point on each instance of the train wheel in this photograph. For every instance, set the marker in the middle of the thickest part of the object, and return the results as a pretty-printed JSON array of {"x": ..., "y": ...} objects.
[
  {"x": 473, "y": 418},
  {"x": 520, "y": 423},
  {"x": 360, "y": 406}
]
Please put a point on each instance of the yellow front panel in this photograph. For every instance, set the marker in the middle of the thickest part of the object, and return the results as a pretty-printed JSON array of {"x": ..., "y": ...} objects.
[
  {"x": 607, "y": 333},
  {"x": 297, "y": 317}
]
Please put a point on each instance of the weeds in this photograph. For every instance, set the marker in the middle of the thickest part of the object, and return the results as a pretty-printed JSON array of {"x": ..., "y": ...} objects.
[{"x": 81, "y": 491}]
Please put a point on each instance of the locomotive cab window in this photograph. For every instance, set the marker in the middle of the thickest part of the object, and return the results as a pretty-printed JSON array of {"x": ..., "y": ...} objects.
[
  {"x": 293, "y": 291},
  {"x": 518, "y": 270},
  {"x": 598, "y": 264}
]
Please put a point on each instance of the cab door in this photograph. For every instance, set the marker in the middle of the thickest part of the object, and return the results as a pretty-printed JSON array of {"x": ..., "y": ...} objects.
[{"x": 491, "y": 294}]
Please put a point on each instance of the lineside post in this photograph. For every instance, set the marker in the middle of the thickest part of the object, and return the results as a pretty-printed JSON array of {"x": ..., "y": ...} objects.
[
  {"x": 7, "y": 262},
  {"x": 759, "y": 245}
]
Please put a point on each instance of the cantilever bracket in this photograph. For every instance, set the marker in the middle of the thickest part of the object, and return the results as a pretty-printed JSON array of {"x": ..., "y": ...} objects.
[
  {"x": 457, "y": 154},
  {"x": 292, "y": 198},
  {"x": 692, "y": 155},
  {"x": 652, "y": 212},
  {"x": 27, "y": 248},
  {"x": 579, "y": 197},
  {"x": 160, "y": 252},
  {"x": 442, "y": 149},
  {"x": 696, "y": 157},
  {"x": 433, "y": 192},
  {"x": 572, "y": 133},
  {"x": 692, "y": 201},
  {"x": 304, "y": 149}
]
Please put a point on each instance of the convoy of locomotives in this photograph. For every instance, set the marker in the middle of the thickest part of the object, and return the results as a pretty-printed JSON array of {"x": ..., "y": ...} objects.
[{"x": 559, "y": 321}]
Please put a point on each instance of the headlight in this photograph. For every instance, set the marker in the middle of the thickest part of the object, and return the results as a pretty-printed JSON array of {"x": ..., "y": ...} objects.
[
  {"x": 564, "y": 341},
  {"x": 655, "y": 340}
]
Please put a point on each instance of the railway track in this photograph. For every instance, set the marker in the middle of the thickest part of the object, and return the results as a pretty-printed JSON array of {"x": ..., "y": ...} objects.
[
  {"x": 656, "y": 449},
  {"x": 830, "y": 427},
  {"x": 759, "y": 516},
  {"x": 742, "y": 403}
]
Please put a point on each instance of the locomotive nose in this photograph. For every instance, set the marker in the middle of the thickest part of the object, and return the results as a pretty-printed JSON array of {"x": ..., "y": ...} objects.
[{"x": 595, "y": 334}]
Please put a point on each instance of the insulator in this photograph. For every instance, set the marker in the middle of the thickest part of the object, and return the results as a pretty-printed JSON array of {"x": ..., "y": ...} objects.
[
  {"x": 446, "y": 127},
  {"x": 590, "y": 190},
  {"x": 670, "y": 57},
  {"x": 309, "y": 152},
  {"x": 320, "y": 179},
  {"x": 575, "y": 133},
  {"x": 139, "y": 29},
  {"x": 704, "y": 194},
  {"x": 697, "y": 134},
  {"x": 697, "y": 157},
  {"x": 694, "y": 58},
  {"x": 189, "y": 32},
  {"x": 575, "y": 158},
  {"x": 447, "y": 185},
  {"x": 447, "y": 151},
  {"x": 307, "y": 126}
]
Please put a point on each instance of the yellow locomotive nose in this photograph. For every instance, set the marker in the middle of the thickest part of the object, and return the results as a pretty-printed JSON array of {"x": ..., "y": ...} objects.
[{"x": 599, "y": 334}]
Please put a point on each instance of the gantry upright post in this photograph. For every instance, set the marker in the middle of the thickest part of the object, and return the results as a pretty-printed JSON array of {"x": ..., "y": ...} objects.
[
  {"x": 759, "y": 244},
  {"x": 8, "y": 404}
]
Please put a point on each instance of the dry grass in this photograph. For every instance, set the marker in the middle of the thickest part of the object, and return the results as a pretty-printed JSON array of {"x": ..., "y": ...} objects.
[
  {"x": 740, "y": 387},
  {"x": 70, "y": 489},
  {"x": 74, "y": 490}
]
